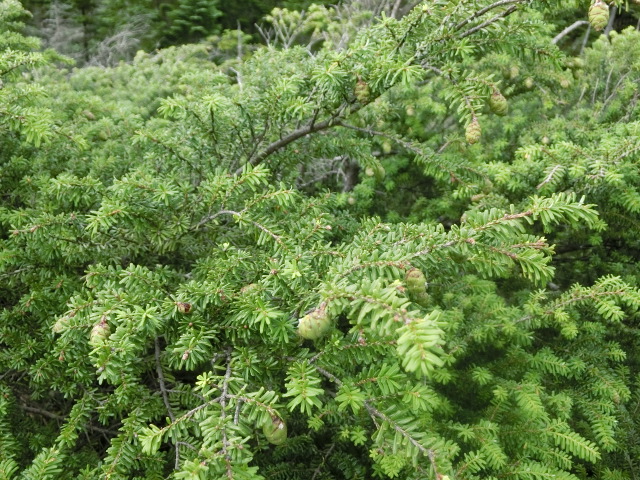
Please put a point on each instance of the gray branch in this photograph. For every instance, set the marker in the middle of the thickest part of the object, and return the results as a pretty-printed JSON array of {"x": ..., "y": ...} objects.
[{"x": 568, "y": 30}]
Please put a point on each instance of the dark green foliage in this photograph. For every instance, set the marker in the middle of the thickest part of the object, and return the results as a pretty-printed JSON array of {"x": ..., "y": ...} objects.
[
  {"x": 106, "y": 32},
  {"x": 190, "y": 20},
  {"x": 167, "y": 223}
]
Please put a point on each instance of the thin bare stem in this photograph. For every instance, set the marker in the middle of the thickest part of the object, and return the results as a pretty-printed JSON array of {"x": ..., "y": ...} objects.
[
  {"x": 504, "y": 14},
  {"x": 484, "y": 10},
  {"x": 55, "y": 416},
  {"x": 223, "y": 414},
  {"x": 568, "y": 30},
  {"x": 165, "y": 396},
  {"x": 324, "y": 460}
]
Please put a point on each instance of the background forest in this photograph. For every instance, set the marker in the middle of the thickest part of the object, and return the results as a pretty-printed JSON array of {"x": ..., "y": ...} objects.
[{"x": 282, "y": 240}]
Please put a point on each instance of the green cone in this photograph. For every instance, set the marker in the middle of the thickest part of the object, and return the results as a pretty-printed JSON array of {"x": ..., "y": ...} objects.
[
  {"x": 473, "y": 132},
  {"x": 599, "y": 15},
  {"x": 99, "y": 333},
  {"x": 275, "y": 431},
  {"x": 362, "y": 91},
  {"x": 498, "y": 104},
  {"x": 314, "y": 325},
  {"x": 416, "y": 281},
  {"x": 421, "y": 298}
]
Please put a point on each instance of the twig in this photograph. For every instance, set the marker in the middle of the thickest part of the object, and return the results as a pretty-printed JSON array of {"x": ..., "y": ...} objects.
[
  {"x": 549, "y": 177},
  {"x": 163, "y": 388},
  {"x": 207, "y": 219},
  {"x": 324, "y": 459},
  {"x": 188, "y": 445},
  {"x": 165, "y": 396},
  {"x": 374, "y": 412},
  {"x": 584, "y": 40},
  {"x": 568, "y": 30},
  {"x": 55, "y": 416},
  {"x": 504, "y": 14},
  {"x": 236, "y": 416},
  {"x": 484, "y": 10},
  {"x": 223, "y": 414},
  {"x": 614, "y": 90},
  {"x": 455, "y": 83},
  {"x": 612, "y": 18}
]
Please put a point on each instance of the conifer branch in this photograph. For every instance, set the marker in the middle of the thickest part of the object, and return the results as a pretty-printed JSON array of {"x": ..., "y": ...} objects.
[
  {"x": 55, "y": 416},
  {"x": 568, "y": 30},
  {"x": 484, "y": 10},
  {"x": 572, "y": 300},
  {"x": 374, "y": 412},
  {"x": 223, "y": 413},
  {"x": 205, "y": 220},
  {"x": 500, "y": 16},
  {"x": 165, "y": 396},
  {"x": 301, "y": 132},
  {"x": 548, "y": 177},
  {"x": 409, "y": 146}
]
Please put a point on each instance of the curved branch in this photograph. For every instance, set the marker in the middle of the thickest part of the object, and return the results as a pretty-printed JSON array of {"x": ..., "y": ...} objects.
[
  {"x": 301, "y": 132},
  {"x": 55, "y": 416},
  {"x": 568, "y": 30},
  {"x": 484, "y": 10},
  {"x": 504, "y": 14}
]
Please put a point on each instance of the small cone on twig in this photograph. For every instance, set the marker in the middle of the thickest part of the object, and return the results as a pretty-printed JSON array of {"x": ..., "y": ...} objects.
[
  {"x": 599, "y": 15},
  {"x": 473, "y": 131},
  {"x": 498, "y": 104}
]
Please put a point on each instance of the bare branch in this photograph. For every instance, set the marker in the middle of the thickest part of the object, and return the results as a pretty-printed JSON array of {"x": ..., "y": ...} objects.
[
  {"x": 165, "y": 397},
  {"x": 612, "y": 18},
  {"x": 311, "y": 127},
  {"x": 223, "y": 414},
  {"x": 394, "y": 13},
  {"x": 55, "y": 416},
  {"x": 484, "y": 10},
  {"x": 324, "y": 460},
  {"x": 504, "y": 14},
  {"x": 568, "y": 30},
  {"x": 163, "y": 387}
]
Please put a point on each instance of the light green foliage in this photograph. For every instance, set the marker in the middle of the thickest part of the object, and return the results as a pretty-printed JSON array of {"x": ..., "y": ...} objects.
[
  {"x": 20, "y": 110},
  {"x": 174, "y": 220}
]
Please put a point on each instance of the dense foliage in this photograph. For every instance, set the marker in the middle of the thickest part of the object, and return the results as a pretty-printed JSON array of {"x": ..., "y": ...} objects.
[
  {"x": 104, "y": 32},
  {"x": 398, "y": 241}
]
